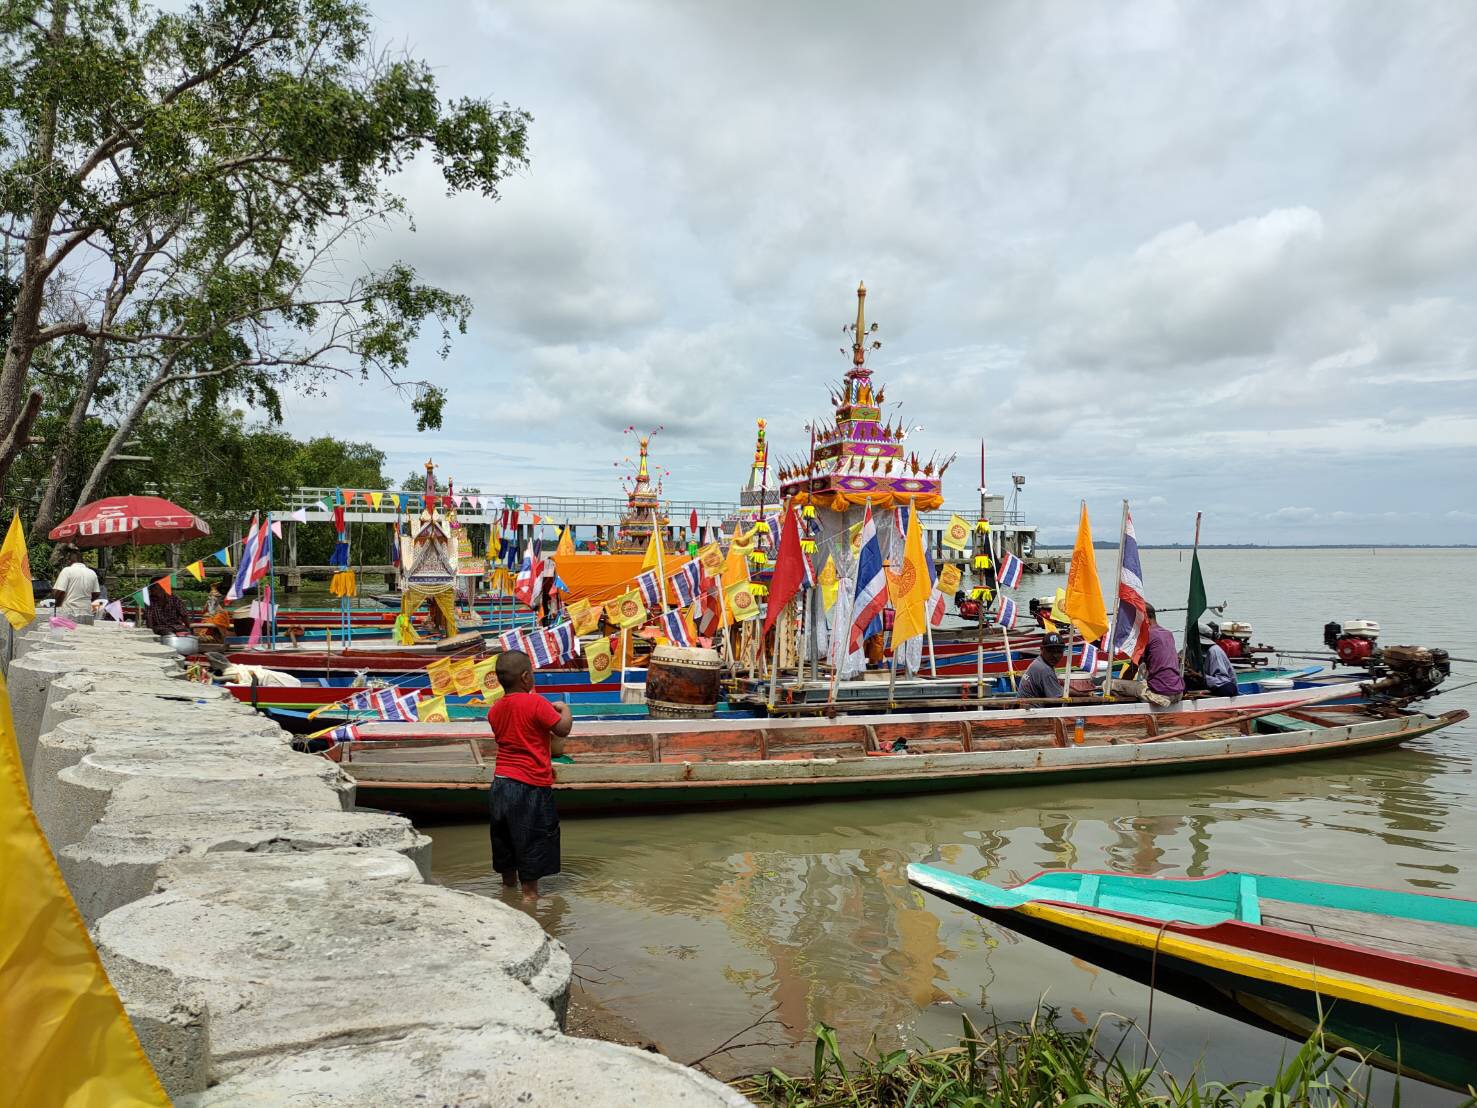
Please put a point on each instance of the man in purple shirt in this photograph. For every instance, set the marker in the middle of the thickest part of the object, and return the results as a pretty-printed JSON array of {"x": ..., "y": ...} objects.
[{"x": 1160, "y": 666}]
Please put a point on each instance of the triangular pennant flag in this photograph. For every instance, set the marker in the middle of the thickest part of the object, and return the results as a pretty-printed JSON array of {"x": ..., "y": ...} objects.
[
  {"x": 141, "y": 598},
  {"x": 375, "y": 498},
  {"x": 196, "y": 570},
  {"x": 167, "y": 584},
  {"x": 300, "y": 515},
  {"x": 114, "y": 608},
  {"x": 223, "y": 556},
  {"x": 349, "y": 495},
  {"x": 277, "y": 528}
]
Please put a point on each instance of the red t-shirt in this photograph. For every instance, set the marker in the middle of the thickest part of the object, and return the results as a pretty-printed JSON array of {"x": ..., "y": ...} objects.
[{"x": 521, "y": 723}]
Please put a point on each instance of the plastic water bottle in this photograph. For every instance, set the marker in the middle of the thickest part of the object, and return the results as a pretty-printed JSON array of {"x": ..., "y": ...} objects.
[{"x": 1078, "y": 730}]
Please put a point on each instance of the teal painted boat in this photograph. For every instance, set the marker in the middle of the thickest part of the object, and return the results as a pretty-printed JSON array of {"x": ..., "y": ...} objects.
[{"x": 1391, "y": 973}]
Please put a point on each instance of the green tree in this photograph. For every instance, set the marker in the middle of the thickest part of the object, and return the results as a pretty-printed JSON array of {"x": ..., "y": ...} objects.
[{"x": 219, "y": 160}]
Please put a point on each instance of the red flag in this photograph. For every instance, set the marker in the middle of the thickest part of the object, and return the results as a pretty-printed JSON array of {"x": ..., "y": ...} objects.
[
  {"x": 789, "y": 570},
  {"x": 692, "y": 523}
]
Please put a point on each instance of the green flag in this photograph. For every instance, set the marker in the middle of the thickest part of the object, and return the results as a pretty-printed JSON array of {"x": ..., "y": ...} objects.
[{"x": 1194, "y": 609}]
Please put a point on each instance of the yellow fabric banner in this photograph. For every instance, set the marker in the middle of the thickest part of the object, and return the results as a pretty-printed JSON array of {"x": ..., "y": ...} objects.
[
  {"x": 956, "y": 534},
  {"x": 949, "y": 578},
  {"x": 626, "y": 611},
  {"x": 1084, "y": 600},
  {"x": 67, "y": 1038},
  {"x": 566, "y": 543},
  {"x": 439, "y": 673},
  {"x": 598, "y": 661},
  {"x": 652, "y": 559},
  {"x": 196, "y": 570},
  {"x": 17, "y": 599},
  {"x": 487, "y": 684},
  {"x": 910, "y": 586},
  {"x": 711, "y": 557},
  {"x": 432, "y": 709},
  {"x": 741, "y": 602},
  {"x": 584, "y": 617},
  {"x": 464, "y": 677},
  {"x": 830, "y": 583}
]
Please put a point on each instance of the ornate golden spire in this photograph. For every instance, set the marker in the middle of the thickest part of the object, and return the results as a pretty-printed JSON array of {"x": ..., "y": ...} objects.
[{"x": 858, "y": 356}]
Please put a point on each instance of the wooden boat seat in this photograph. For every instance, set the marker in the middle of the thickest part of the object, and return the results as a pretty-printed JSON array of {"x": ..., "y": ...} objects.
[{"x": 1452, "y": 944}]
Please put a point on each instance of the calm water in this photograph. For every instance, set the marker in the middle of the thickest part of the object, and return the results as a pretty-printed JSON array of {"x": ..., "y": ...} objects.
[{"x": 693, "y": 925}]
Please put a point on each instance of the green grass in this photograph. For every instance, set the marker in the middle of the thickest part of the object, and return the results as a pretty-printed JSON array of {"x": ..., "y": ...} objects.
[{"x": 1039, "y": 1063}]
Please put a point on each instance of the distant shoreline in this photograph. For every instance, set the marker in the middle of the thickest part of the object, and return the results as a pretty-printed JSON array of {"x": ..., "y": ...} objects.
[{"x": 1276, "y": 546}]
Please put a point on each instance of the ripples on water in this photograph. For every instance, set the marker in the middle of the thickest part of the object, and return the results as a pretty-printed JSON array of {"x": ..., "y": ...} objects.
[{"x": 693, "y": 925}]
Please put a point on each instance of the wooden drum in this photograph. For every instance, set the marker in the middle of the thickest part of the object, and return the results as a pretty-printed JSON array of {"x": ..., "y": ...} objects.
[{"x": 682, "y": 683}]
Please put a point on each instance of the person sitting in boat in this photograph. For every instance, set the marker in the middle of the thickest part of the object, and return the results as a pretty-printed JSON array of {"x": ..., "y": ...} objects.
[
  {"x": 166, "y": 614},
  {"x": 215, "y": 625},
  {"x": 1040, "y": 681},
  {"x": 1218, "y": 675},
  {"x": 1160, "y": 682}
]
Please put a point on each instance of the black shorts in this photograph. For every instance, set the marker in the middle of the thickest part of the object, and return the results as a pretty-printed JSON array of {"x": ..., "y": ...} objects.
[{"x": 525, "y": 829}]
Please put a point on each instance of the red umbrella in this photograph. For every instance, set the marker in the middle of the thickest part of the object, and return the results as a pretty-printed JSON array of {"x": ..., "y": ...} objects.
[{"x": 129, "y": 520}]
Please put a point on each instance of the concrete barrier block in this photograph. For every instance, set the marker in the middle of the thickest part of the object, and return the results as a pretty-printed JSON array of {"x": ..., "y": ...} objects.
[
  {"x": 314, "y": 873},
  {"x": 30, "y": 678},
  {"x": 73, "y": 739},
  {"x": 119, "y": 859},
  {"x": 283, "y": 970},
  {"x": 139, "y": 696},
  {"x": 84, "y": 789},
  {"x": 493, "y": 1066}
]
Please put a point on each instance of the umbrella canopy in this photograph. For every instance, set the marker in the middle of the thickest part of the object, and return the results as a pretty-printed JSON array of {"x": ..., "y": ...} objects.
[{"x": 129, "y": 520}]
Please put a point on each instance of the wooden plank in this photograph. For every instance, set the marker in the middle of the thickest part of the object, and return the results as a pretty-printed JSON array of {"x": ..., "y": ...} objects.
[{"x": 1435, "y": 942}]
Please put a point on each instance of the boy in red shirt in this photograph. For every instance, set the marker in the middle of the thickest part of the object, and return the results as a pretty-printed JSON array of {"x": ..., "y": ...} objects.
[{"x": 529, "y": 732}]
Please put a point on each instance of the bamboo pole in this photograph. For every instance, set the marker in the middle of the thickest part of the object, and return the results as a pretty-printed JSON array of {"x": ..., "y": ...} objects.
[
  {"x": 1117, "y": 605},
  {"x": 981, "y": 547}
]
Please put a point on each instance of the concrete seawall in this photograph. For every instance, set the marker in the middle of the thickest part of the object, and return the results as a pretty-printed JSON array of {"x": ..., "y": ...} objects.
[{"x": 272, "y": 943}]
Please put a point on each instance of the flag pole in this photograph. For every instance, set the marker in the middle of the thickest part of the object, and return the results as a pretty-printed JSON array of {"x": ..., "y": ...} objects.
[
  {"x": 1117, "y": 602},
  {"x": 1185, "y": 649},
  {"x": 1067, "y": 680},
  {"x": 987, "y": 545},
  {"x": 621, "y": 661}
]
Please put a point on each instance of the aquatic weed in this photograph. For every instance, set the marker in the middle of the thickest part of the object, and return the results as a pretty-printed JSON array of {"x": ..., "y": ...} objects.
[{"x": 1040, "y": 1063}]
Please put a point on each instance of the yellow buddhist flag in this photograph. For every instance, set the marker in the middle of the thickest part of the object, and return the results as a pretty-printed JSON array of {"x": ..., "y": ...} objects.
[
  {"x": 566, "y": 543},
  {"x": 736, "y": 564},
  {"x": 830, "y": 583},
  {"x": 67, "y": 1038},
  {"x": 626, "y": 611},
  {"x": 487, "y": 682},
  {"x": 949, "y": 578},
  {"x": 598, "y": 660},
  {"x": 653, "y": 555},
  {"x": 741, "y": 602},
  {"x": 1083, "y": 603},
  {"x": 856, "y": 538},
  {"x": 584, "y": 617},
  {"x": 464, "y": 677},
  {"x": 17, "y": 599},
  {"x": 432, "y": 709},
  {"x": 710, "y": 558},
  {"x": 956, "y": 534},
  {"x": 196, "y": 570},
  {"x": 439, "y": 672},
  {"x": 910, "y": 586},
  {"x": 1057, "y": 614}
]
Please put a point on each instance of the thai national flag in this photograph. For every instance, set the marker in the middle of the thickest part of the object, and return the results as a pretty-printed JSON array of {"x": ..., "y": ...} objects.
[
  {"x": 675, "y": 628},
  {"x": 394, "y": 706},
  {"x": 686, "y": 582},
  {"x": 937, "y": 603},
  {"x": 1010, "y": 572},
  {"x": 1131, "y": 629},
  {"x": 513, "y": 640},
  {"x": 1089, "y": 658},
  {"x": 1006, "y": 616},
  {"x": 651, "y": 588},
  {"x": 566, "y": 642},
  {"x": 530, "y": 580},
  {"x": 256, "y": 557},
  {"x": 348, "y": 733},
  {"x": 541, "y": 650},
  {"x": 871, "y": 586},
  {"x": 360, "y": 701}
]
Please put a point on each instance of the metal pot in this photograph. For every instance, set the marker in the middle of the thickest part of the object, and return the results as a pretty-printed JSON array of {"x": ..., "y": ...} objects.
[{"x": 184, "y": 644}]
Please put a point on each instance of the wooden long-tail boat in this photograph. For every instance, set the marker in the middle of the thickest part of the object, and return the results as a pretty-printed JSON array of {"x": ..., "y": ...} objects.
[
  {"x": 443, "y": 771},
  {"x": 1392, "y": 974}
]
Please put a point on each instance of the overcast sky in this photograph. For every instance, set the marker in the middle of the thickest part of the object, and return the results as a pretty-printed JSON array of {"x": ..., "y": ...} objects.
[{"x": 1203, "y": 256}]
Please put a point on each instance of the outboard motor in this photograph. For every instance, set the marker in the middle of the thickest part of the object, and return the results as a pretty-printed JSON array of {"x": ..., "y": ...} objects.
[
  {"x": 1355, "y": 642},
  {"x": 1419, "y": 669},
  {"x": 1234, "y": 637}
]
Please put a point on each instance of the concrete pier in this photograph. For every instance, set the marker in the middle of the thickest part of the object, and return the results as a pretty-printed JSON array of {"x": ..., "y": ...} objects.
[{"x": 271, "y": 942}]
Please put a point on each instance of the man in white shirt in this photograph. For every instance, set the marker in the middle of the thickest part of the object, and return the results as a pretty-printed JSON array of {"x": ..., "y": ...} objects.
[{"x": 75, "y": 588}]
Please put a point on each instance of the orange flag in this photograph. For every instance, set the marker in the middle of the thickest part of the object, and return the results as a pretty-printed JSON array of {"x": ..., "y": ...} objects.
[{"x": 1083, "y": 602}]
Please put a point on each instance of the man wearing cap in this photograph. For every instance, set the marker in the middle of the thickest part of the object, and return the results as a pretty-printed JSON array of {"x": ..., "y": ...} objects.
[{"x": 1040, "y": 681}]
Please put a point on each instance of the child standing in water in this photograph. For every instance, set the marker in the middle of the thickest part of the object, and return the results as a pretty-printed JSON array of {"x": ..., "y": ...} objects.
[{"x": 529, "y": 732}]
